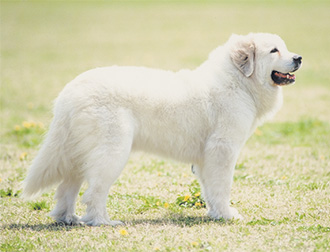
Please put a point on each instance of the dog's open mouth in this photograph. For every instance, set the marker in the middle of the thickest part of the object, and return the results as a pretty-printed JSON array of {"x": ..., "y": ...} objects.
[{"x": 283, "y": 79}]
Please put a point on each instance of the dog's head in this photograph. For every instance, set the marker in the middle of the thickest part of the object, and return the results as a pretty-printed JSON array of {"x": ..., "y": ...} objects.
[{"x": 264, "y": 57}]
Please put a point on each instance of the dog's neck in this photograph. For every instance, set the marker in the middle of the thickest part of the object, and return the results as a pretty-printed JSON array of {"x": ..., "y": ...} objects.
[{"x": 266, "y": 99}]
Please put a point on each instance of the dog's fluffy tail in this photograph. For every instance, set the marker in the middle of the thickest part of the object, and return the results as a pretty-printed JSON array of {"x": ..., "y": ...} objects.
[{"x": 47, "y": 168}]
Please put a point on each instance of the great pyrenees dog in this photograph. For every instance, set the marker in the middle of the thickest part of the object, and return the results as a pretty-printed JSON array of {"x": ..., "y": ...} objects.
[{"x": 202, "y": 116}]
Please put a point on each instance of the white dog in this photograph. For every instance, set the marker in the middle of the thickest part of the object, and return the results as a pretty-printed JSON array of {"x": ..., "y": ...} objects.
[{"x": 202, "y": 116}]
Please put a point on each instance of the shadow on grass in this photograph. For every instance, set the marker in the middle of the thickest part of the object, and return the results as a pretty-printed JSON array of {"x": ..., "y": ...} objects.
[
  {"x": 180, "y": 220},
  {"x": 171, "y": 219},
  {"x": 42, "y": 227}
]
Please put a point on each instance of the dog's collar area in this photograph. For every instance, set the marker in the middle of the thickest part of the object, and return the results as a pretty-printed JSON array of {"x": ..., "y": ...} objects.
[{"x": 283, "y": 79}]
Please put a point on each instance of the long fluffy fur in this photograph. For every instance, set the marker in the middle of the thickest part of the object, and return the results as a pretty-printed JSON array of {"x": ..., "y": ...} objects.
[{"x": 202, "y": 116}]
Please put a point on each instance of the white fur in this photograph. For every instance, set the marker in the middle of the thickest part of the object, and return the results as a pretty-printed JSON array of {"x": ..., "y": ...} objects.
[{"x": 202, "y": 116}]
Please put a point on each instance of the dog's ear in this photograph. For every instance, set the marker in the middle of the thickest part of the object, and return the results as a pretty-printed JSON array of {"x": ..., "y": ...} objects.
[{"x": 242, "y": 54}]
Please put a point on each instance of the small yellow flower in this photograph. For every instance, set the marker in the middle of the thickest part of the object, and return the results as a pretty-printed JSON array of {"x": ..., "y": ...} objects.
[
  {"x": 23, "y": 156},
  {"x": 123, "y": 232},
  {"x": 198, "y": 204},
  {"x": 157, "y": 203},
  {"x": 166, "y": 205},
  {"x": 156, "y": 248},
  {"x": 159, "y": 174},
  {"x": 0, "y": 179},
  {"x": 27, "y": 124},
  {"x": 197, "y": 194},
  {"x": 284, "y": 177},
  {"x": 258, "y": 132},
  {"x": 17, "y": 128},
  {"x": 322, "y": 157},
  {"x": 184, "y": 175},
  {"x": 186, "y": 198},
  {"x": 194, "y": 244}
]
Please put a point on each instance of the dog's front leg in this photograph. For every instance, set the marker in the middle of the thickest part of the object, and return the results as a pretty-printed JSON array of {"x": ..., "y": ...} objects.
[{"x": 216, "y": 176}]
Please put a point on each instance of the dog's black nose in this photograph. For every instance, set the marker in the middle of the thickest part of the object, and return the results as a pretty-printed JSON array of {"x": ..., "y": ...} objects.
[{"x": 297, "y": 59}]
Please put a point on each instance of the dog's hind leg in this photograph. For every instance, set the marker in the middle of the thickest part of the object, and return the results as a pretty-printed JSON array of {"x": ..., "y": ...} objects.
[
  {"x": 66, "y": 195},
  {"x": 107, "y": 166},
  {"x": 103, "y": 166}
]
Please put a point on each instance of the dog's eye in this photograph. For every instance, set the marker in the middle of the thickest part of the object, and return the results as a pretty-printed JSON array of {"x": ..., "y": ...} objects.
[{"x": 274, "y": 50}]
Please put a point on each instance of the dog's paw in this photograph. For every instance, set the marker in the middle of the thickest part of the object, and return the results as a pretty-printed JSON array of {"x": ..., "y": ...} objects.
[
  {"x": 68, "y": 219},
  {"x": 228, "y": 214},
  {"x": 99, "y": 221},
  {"x": 74, "y": 220},
  {"x": 116, "y": 223}
]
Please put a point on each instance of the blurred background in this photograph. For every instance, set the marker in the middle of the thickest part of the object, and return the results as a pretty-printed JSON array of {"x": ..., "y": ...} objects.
[{"x": 44, "y": 45}]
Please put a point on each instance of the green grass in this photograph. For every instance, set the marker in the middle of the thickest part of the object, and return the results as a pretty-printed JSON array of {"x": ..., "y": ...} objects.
[
  {"x": 39, "y": 205},
  {"x": 305, "y": 132},
  {"x": 281, "y": 183}
]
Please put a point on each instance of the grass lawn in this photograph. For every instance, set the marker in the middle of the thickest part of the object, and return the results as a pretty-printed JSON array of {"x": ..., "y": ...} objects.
[{"x": 281, "y": 183}]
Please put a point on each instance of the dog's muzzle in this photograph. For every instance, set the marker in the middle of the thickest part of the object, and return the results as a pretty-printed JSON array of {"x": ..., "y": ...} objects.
[{"x": 282, "y": 79}]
